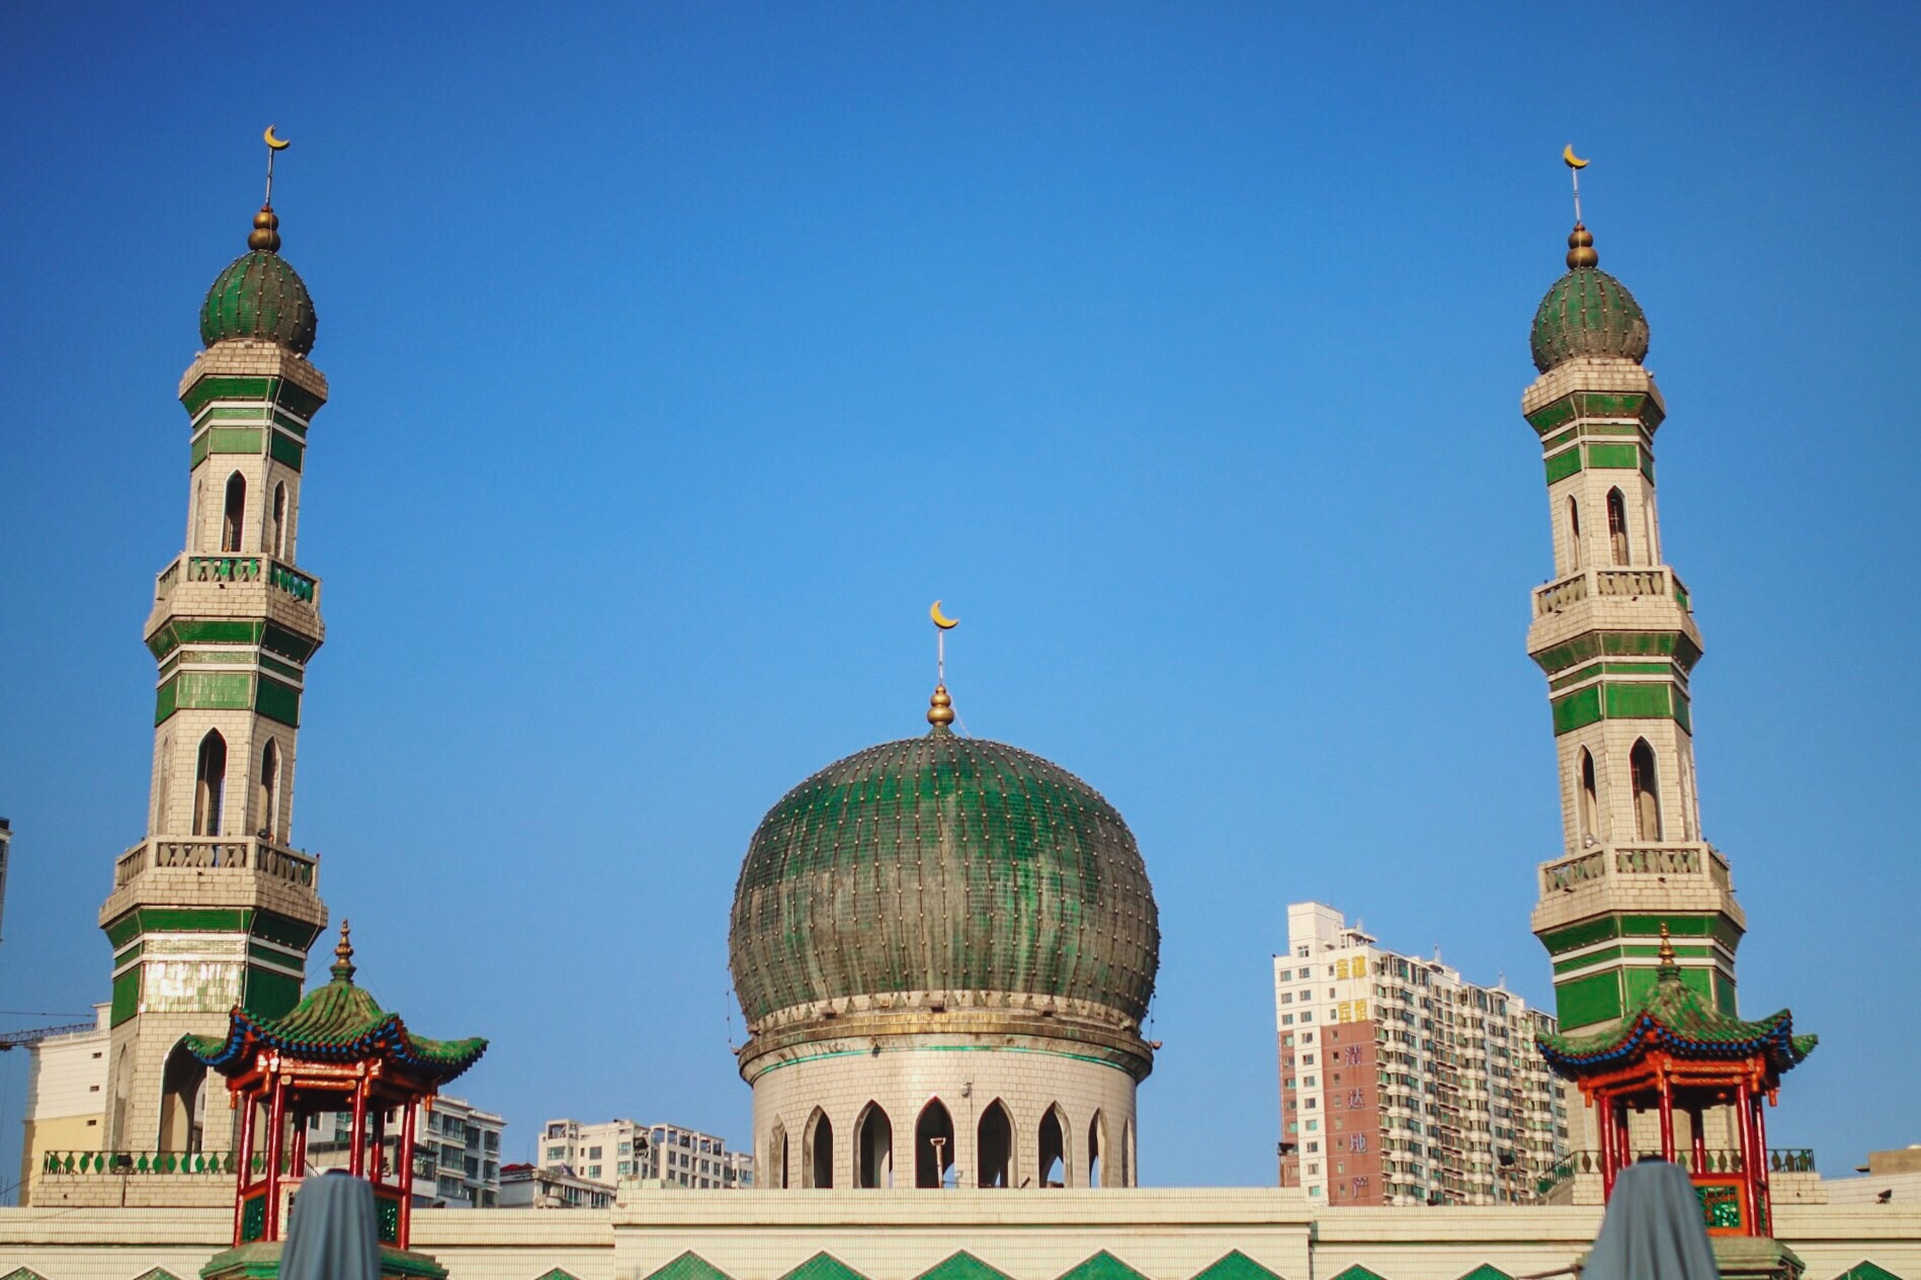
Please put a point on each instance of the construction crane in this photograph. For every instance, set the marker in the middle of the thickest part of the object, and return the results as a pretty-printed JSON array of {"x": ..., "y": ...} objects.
[{"x": 10, "y": 1039}]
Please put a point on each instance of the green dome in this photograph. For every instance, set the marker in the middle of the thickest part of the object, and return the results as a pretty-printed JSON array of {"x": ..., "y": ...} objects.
[
  {"x": 943, "y": 863},
  {"x": 1588, "y": 313},
  {"x": 259, "y": 297}
]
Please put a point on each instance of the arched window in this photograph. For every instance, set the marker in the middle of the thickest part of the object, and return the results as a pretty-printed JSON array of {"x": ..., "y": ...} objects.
[
  {"x": 267, "y": 797},
  {"x": 777, "y": 1157},
  {"x": 122, "y": 1096},
  {"x": 873, "y": 1148},
  {"x": 933, "y": 1146},
  {"x": 1647, "y": 791},
  {"x": 235, "y": 516},
  {"x": 277, "y": 534},
  {"x": 1096, "y": 1149},
  {"x": 1573, "y": 534},
  {"x": 1127, "y": 1153},
  {"x": 994, "y": 1147},
  {"x": 210, "y": 784},
  {"x": 181, "y": 1116},
  {"x": 817, "y": 1163},
  {"x": 1618, "y": 526},
  {"x": 1053, "y": 1148},
  {"x": 1590, "y": 798}
]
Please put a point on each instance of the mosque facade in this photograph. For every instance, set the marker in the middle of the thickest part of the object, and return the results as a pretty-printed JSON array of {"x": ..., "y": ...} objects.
[{"x": 944, "y": 947}]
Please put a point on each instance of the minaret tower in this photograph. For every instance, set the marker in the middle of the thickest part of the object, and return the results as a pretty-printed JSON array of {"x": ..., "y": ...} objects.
[
  {"x": 215, "y": 909},
  {"x": 1615, "y": 633}
]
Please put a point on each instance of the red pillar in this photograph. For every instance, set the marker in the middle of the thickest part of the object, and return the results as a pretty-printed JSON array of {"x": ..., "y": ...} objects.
[
  {"x": 357, "y": 1162},
  {"x": 406, "y": 1173},
  {"x": 1763, "y": 1200},
  {"x": 1667, "y": 1116},
  {"x": 276, "y": 1115},
  {"x": 1604, "y": 1124},
  {"x": 246, "y": 1164},
  {"x": 1744, "y": 1109}
]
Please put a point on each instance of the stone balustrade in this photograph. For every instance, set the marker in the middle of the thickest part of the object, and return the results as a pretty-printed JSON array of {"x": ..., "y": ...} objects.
[
  {"x": 1666, "y": 860},
  {"x": 218, "y": 853},
  {"x": 223, "y": 569},
  {"x": 139, "y": 1163},
  {"x": 1654, "y": 581}
]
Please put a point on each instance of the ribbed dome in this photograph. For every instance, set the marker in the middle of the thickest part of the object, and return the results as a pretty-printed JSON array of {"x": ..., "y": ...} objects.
[
  {"x": 943, "y": 863},
  {"x": 1588, "y": 313},
  {"x": 260, "y": 297}
]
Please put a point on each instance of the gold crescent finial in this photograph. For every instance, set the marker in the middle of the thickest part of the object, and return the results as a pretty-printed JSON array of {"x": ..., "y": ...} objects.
[
  {"x": 1569, "y": 158},
  {"x": 941, "y": 620},
  {"x": 281, "y": 144},
  {"x": 940, "y": 708}
]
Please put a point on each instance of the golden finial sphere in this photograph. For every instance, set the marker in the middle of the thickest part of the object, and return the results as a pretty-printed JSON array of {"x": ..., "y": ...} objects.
[
  {"x": 1580, "y": 249},
  {"x": 265, "y": 236},
  {"x": 940, "y": 708}
]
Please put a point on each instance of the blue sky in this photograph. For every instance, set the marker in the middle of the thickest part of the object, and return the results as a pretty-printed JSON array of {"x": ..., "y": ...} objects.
[{"x": 682, "y": 354}]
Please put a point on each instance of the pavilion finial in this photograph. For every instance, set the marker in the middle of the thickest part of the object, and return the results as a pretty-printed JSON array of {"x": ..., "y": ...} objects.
[
  {"x": 343, "y": 965},
  {"x": 1667, "y": 950}
]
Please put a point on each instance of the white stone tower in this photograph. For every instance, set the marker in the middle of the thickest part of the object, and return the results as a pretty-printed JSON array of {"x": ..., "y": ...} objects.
[
  {"x": 215, "y": 908},
  {"x": 1615, "y": 632}
]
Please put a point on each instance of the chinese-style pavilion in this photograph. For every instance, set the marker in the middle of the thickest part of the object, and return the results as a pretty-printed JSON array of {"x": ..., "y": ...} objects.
[
  {"x": 336, "y": 1051},
  {"x": 1673, "y": 1053}
]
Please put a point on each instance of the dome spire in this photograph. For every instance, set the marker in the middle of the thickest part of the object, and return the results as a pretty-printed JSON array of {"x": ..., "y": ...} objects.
[
  {"x": 940, "y": 708},
  {"x": 343, "y": 965},
  {"x": 1580, "y": 249},
  {"x": 265, "y": 236}
]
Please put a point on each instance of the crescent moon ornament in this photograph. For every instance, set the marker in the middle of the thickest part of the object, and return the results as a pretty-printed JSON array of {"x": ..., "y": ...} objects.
[
  {"x": 1567, "y": 157},
  {"x": 941, "y": 620},
  {"x": 273, "y": 143}
]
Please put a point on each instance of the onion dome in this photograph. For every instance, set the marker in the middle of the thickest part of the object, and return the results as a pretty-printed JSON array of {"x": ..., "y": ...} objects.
[
  {"x": 944, "y": 864},
  {"x": 259, "y": 297},
  {"x": 1587, "y": 312}
]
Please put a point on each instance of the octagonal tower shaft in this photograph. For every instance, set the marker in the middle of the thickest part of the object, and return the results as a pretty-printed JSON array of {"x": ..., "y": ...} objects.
[
  {"x": 1614, "y": 631},
  {"x": 215, "y": 908}
]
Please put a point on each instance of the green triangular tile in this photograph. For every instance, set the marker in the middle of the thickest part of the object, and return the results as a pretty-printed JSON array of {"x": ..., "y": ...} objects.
[
  {"x": 1358, "y": 1272},
  {"x": 689, "y": 1266},
  {"x": 21, "y": 1273},
  {"x": 1237, "y": 1266},
  {"x": 558, "y": 1274},
  {"x": 1102, "y": 1266},
  {"x": 1487, "y": 1271},
  {"x": 823, "y": 1266},
  {"x": 962, "y": 1266},
  {"x": 1865, "y": 1270}
]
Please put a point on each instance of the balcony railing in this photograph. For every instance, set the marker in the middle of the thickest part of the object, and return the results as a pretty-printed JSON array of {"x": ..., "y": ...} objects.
[
  {"x": 1716, "y": 1163},
  {"x": 139, "y": 1163},
  {"x": 218, "y": 853},
  {"x": 223, "y": 569},
  {"x": 1657, "y": 581},
  {"x": 1665, "y": 860}
]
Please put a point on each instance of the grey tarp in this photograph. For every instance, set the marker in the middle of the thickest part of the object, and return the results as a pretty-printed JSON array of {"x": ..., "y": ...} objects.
[
  {"x": 1653, "y": 1229},
  {"x": 334, "y": 1234}
]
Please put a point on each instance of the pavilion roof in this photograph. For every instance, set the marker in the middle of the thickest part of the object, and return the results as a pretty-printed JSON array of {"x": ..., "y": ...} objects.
[
  {"x": 338, "y": 1022},
  {"x": 1674, "y": 1017}
]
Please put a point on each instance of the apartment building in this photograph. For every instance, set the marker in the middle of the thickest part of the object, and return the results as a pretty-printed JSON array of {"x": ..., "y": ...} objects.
[
  {"x": 456, "y": 1151},
  {"x": 522, "y": 1186},
  {"x": 1403, "y": 1083},
  {"x": 619, "y": 1149}
]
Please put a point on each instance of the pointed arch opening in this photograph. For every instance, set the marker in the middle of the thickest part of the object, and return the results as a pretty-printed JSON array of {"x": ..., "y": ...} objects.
[
  {"x": 163, "y": 789},
  {"x": 1590, "y": 798},
  {"x": 277, "y": 531},
  {"x": 209, "y": 784},
  {"x": 817, "y": 1151},
  {"x": 1096, "y": 1149},
  {"x": 234, "y": 516},
  {"x": 182, "y": 1102},
  {"x": 1127, "y": 1154},
  {"x": 1573, "y": 533},
  {"x": 777, "y": 1157},
  {"x": 1647, "y": 791},
  {"x": 934, "y": 1147},
  {"x": 1053, "y": 1148},
  {"x": 994, "y": 1147},
  {"x": 1618, "y": 526},
  {"x": 267, "y": 791},
  {"x": 873, "y": 1148}
]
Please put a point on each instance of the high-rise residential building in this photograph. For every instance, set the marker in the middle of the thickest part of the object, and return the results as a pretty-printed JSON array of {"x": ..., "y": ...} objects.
[
  {"x": 617, "y": 1149},
  {"x": 456, "y": 1151},
  {"x": 1401, "y": 1081},
  {"x": 6, "y": 844},
  {"x": 522, "y": 1186}
]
